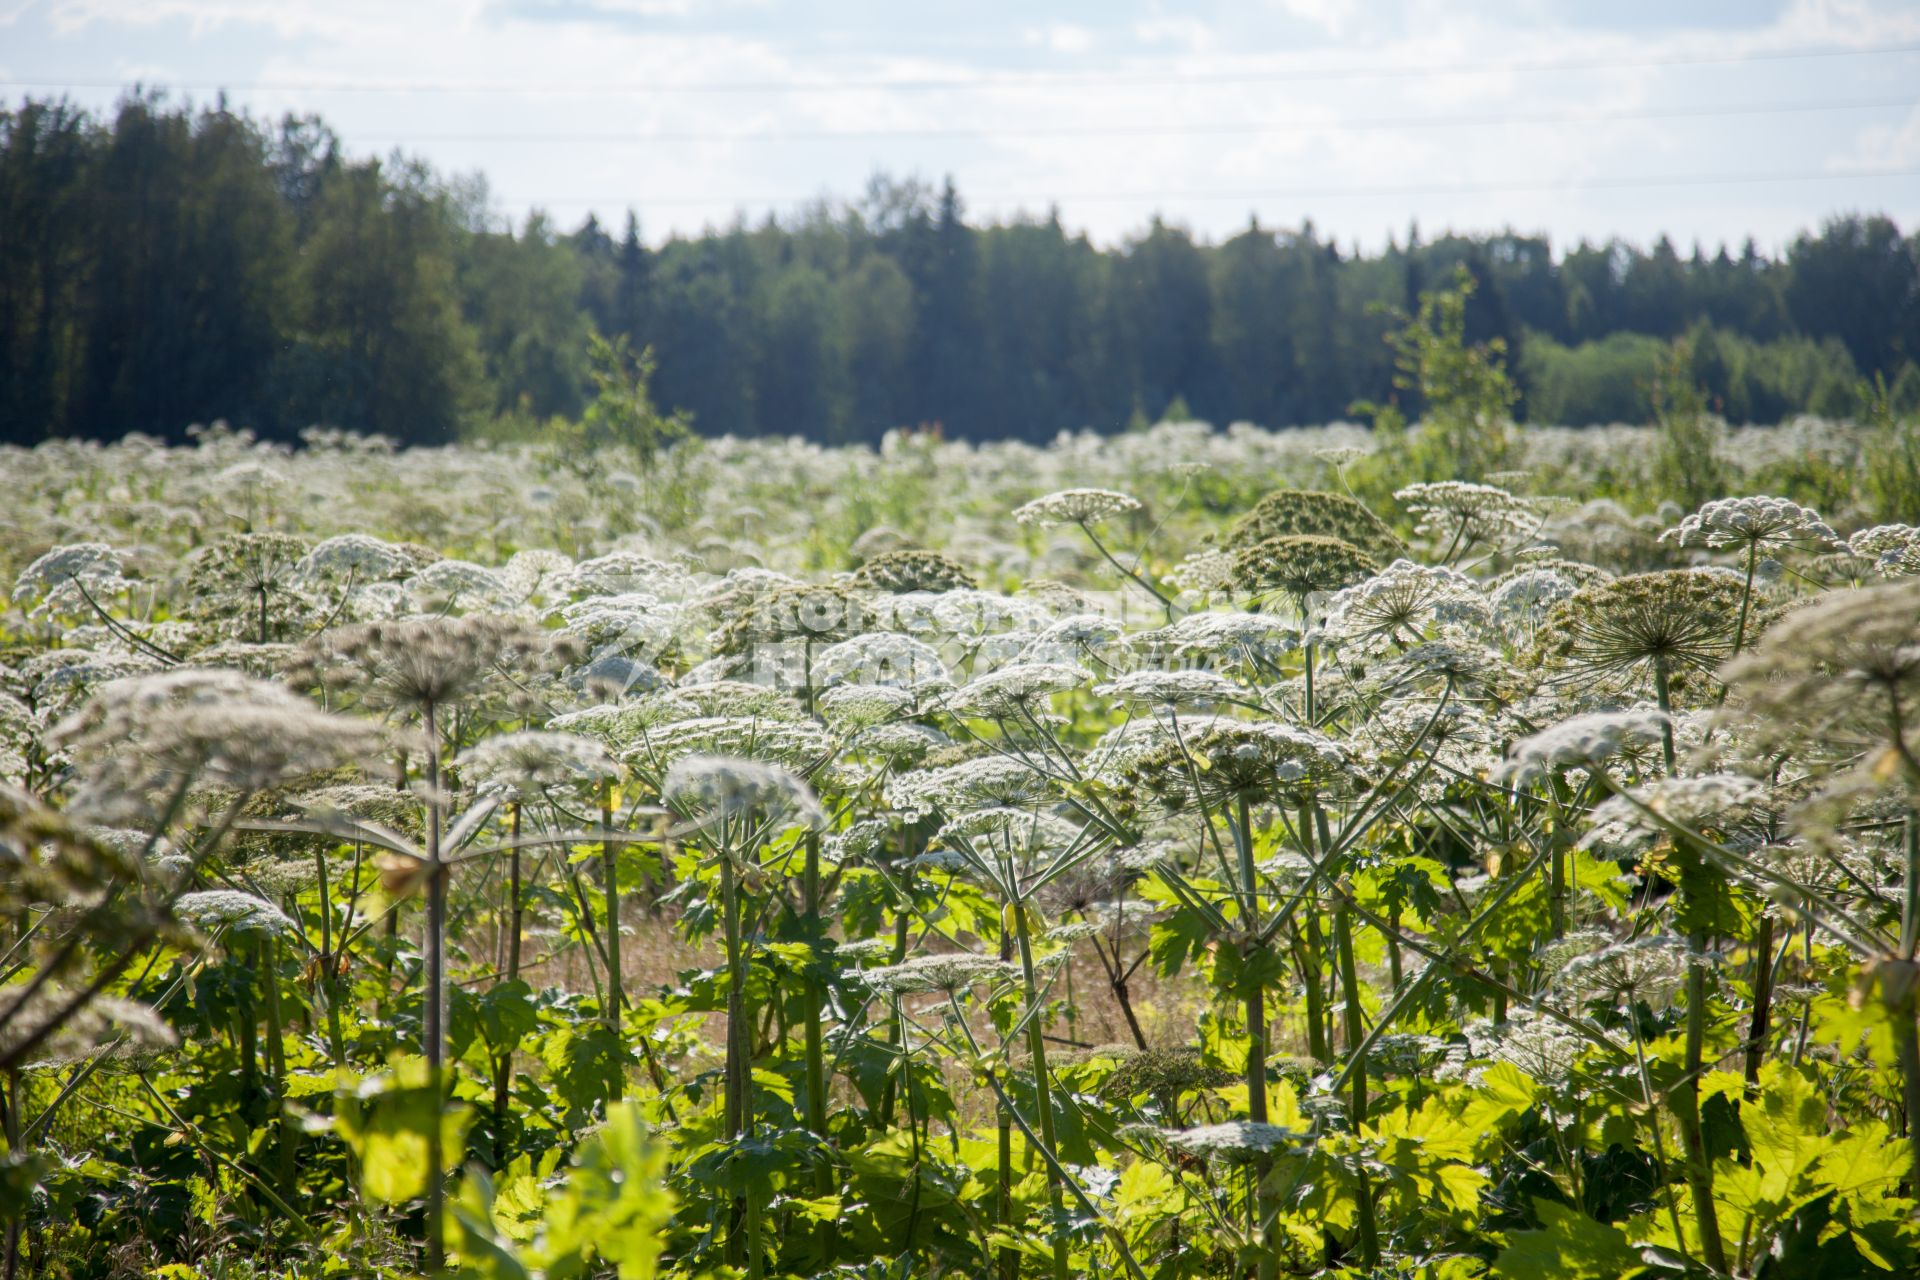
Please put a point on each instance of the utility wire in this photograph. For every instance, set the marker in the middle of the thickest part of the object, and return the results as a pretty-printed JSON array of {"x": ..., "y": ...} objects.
[
  {"x": 1233, "y": 128},
  {"x": 1191, "y": 77},
  {"x": 1287, "y": 193}
]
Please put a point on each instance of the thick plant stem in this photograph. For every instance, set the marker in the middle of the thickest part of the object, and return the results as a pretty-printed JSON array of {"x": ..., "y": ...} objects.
[
  {"x": 1557, "y": 892},
  {"x": 1123, "y": 996},
  {"x": 1003, "y": 1197},
  {"x": 815, "y": 1048},
  {"x": 896, "y": 1033},
  {"x": 738, "y": 1076},
  {"x": 1746, "y": 598},
  {"x": 1662, "y": 692},
  {"x": 1906, "y": 1038},
  {"x": 616, "y": 985},
  {"x": 1762, "y": 998},
  {"x": 503, "y": 1064},
  {"x": 1910, "y": 902},
  {"x": 13, "y": 1149},
  {"x": 816, "y": 1054},
  {"x": 756, "y": 1252},
  {"x": 1317, "y": 1046},
  {"x": 247, "y": 1042},
  {"x": 1042, "y": 1090},
  {"x": 434, "y": 999},
  {"x": 1906, "y": 1049},
  {"x": 516, "y": 904},
  {"x": 1357, "y": 1104},
  {"x": 329, "y": 965},
  {"x": 1307, "y": 661},
  {"x": 1255, "y": 998},
  {"x": 1686, "y": 1109},
  {"x": 277, "y": 1066},
  {"x": 1317, "y": 1038},
  {"x": 1256, "y": 1068}
]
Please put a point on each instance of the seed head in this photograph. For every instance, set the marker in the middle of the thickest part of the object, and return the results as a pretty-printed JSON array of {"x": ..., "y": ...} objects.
[
  {"x": 899, "y": 572},
  {"x": 1300, "y": 566}
]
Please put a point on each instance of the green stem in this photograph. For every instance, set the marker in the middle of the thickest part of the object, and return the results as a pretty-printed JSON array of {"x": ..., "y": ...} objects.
[
  {"x": 1659, "y": 1145},
  {"x": 1042, "y": 1090},
  {"x": 13, "y": 1149},
  {"x": 329, "y": 964},
  {"x": 826, "y": 1183},
  {"x": 738, "y": 1073},
  {"x": 1686, "y": 1109},
  {"x": 1256, "y": 1068},
  {"x": 616, "y": 984},
  {"x": 1906, "y": 1048},
  {"x": 1307, "y": 656},
  {"x": 1746, "y": 598},
  {"x": 1356, "y": 1046},
  {"x": 503, "y": 1064},
  {"x": 1662, "y": 691},
  {"x": 1003, "y": 1196},
  {"x": 434, "y": 998},
  {"x": 1762, "y": 997},
  {"x": 1317, "y": 1040},
  {"x": 1139, "y": 581},
  {"x": 277, "y": 1064}
]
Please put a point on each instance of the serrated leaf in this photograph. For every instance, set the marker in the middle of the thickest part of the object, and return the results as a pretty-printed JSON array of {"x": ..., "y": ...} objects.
[{"x": 1568, "y": 1246}]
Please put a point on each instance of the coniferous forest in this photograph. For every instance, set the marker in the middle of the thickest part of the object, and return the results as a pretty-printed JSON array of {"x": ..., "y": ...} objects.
[{"x": 176, "y": 264}]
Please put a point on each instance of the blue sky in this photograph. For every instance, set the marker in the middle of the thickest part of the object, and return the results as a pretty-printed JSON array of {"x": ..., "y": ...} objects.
[{"x": 1635, "y": 117}]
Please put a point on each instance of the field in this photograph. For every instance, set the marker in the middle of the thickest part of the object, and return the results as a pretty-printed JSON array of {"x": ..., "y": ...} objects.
[{"x": 1185, "y": 853}]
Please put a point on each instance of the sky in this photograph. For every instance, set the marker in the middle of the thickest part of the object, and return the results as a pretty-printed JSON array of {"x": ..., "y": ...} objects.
[{"x": 1710, "y": 121}]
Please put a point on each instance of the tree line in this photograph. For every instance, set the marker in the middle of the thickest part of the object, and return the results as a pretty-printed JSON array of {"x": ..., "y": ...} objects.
[{"x": 175, "y": 264}]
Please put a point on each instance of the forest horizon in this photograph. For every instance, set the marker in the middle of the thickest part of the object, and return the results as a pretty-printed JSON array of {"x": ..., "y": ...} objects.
[{"x": 174, "y": 265}]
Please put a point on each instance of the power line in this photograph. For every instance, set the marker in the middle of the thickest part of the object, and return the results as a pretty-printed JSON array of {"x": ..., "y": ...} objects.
[
  {"x": 1191, "y": 78},
  {"x": 1239, "y": 128},
  {"x": 1283, "y": 193}
]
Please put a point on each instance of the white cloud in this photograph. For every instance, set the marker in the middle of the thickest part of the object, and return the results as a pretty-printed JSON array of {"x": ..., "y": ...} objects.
[
  {"x": 561, "y": 80},
  {"x": 1335, "y": 17},
  {"x": 1190, "y": 34},
  {"x": 1884, "y": 146},
  {"x": 1060, "y": 37}
]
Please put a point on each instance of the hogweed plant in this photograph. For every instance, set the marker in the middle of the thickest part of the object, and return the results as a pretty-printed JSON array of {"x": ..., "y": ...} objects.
[{"x": 816, "y": 868}]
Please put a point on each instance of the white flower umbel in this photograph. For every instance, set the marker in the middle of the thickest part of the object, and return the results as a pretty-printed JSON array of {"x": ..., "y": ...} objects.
[
  {"x": 1171, "y": 688},
  {"x": 353, "y": 557},
  {"x": 1075, "y": 506},
  {"x": 849, "y": 707},
  {"x": 1083, "y": 635},
  {"x": 532, "y": 762},
  {"x": 1014, "y": 689},
  {"x": 1457, "y": 514},
  {"x": 1222, "y": 636},
  {"x": 988, "y": 780},
  {"x": 1645, "y": 969},
  {"x": 1016, "y": 833},
  {"x": 231, "y": 911},
  {"x": 1621, "y": 826},
  {"x": 1759, "y": 524},
  {"x": 949, "y": 974},
  {"x": 1231, "y": 1141},
  {"x": 1405, "y": 603},
  {"x": 142, "y": 737},
  {"x": 1538, "y": 1045},
  {"x": 1523, "y": 599},
  {"x": 62, "y": 579},
  {"x": 730, "y": 787},
  {"x": 1893, "y": 548},
  {"x": 1583, "y": 740},
  {"x": 881, "y": 658}
]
